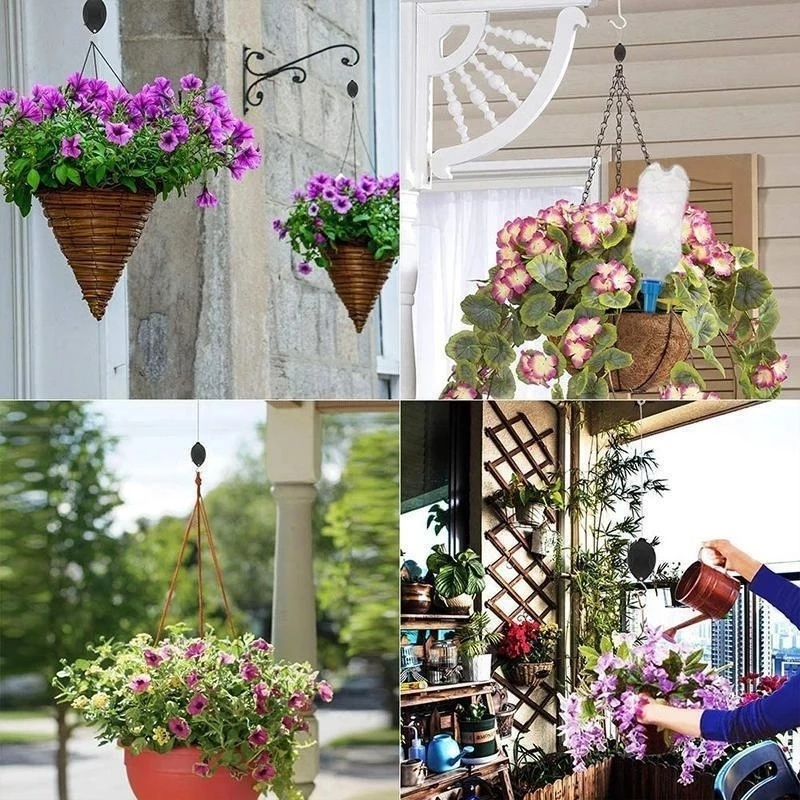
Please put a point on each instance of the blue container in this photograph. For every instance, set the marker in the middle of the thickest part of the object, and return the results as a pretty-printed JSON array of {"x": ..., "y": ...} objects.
[{"x": 444, "y": 753}]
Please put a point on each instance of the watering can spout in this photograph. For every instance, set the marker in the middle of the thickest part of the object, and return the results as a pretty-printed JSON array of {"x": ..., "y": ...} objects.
[{"x": 465, "y": 751}]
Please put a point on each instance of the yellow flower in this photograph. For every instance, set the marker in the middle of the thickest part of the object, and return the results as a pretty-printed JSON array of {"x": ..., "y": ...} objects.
[
  {"x": 160, "y": 736},
  {"x": 99, "y": 700},
  {"x": 80, "y": 702},
  {"x": 175, "y": 682}
]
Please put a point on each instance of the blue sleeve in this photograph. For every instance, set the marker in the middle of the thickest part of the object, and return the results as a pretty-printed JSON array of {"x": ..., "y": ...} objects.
[{"x": 774, "y": 713}]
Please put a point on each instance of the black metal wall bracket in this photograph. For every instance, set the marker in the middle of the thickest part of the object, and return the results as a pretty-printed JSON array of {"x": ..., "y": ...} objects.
[{"x": 253, "y": 96}]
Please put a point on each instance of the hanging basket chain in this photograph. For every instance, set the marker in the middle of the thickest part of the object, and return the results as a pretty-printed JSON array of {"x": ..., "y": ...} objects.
[
  {"x": 617, "y": 92},
  {"x": 355, "y": 129},
  {"x": 198, "y": 520}
]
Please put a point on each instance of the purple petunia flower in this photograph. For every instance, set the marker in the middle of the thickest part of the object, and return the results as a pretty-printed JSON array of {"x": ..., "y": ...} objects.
[
  {"x": 304, "y": 269},
  {"x": 162, "y": 92},
  {"x": 70, "y": 147},
  {"x": 342, "y": 204},
  {"x": 151, "y": 657},
  {"x": 77, "y": 82},
  {"x": 313, "y": 209},
  {"x": 260, "y": 695},
  {"x": 191, "y": 83},
  {"x": 329, "y": 193},
  {"x": 298, "y": 700},
  {"x": 250, "y": 671},
  {"x": 139, "y": 684},
  {"x": 118, "y": 133},
  {"x": 217, "y": 97},
  {"x": 258, "y": 738},
  {"x": 262, "y": 644},
  {"x": 168, "y": 141},
  {"x": 241, "y": 135},
  {"x": 192, "y": 679},
  {"x": 28, "y": 110},
  {"x": 320, "y": 238},
  {"x": 226, "y": 658},
  {"x": 197, "y": 705},
  {"x": 7, "y": 97},
  {"x": 206, "y": 199},
  {"x": 367, "y": 184},
  {"x": 180, "y": 127},
  {"x": 51, "y": 101},
  {"x": 179, "y": 728},
  {"x": 195, "y": 649},
  {"x": 201, "y": 769},
  {"x": 264, "y": 772},
  {"x": 325, "y": 691}
]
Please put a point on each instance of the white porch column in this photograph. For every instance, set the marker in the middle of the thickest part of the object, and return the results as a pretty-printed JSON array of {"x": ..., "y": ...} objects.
[
  {"x": 409, "y": 269},
  {"x": 293, "y": 466}
]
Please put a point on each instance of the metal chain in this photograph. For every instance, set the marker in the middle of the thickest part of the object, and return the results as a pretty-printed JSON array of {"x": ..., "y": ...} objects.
[{"x": 618, "y": 91}]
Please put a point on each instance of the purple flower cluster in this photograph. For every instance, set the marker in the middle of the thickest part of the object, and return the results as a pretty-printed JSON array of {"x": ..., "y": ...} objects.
[
  {"x": 157, "y": 115},
  {"x": 341, "y": 192},
  {"x": 614, "y": 684}
]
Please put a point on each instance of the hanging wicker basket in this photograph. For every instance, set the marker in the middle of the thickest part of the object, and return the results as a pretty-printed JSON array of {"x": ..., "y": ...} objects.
[
  {"x": 358, "y": 279},
  {"x": 97, "y": 230},
  {"x": 530, "y": 675},
  {"x": 656, "y": 342}
]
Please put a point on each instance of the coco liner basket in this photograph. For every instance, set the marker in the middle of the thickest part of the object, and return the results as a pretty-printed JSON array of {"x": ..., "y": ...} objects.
[
  {"x": 529, "y": 674},
  {"x": 656, "y": 342},
  {"x": 358, "y": 279},
  {"x": 97, "y": 230},
  {"x": 156, "y": 776}
]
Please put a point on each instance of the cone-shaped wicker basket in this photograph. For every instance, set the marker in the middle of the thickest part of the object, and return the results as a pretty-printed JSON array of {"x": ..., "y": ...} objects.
[
  {"x": 358, "y": 279},
  {"x": 97, "y": 230},
  {"x": 656, "y": 342}
]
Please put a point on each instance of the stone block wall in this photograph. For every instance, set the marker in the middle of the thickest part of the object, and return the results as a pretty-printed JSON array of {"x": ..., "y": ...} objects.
[{"x": 216, "y": 309}]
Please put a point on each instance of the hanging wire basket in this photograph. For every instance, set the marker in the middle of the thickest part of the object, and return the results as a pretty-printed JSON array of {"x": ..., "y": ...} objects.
[{"x": 530, "y": 675}]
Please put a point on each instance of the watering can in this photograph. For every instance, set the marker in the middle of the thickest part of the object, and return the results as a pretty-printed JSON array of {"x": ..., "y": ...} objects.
[
  {"x": 444, "y": 753},
  {"x": 707, "y": 589}
]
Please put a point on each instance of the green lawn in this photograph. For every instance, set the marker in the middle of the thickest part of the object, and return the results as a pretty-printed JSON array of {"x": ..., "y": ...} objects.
[
  {"x": 389, "y": 736},
  {"x": 15, "y": 737},
  {"x": 30, "y": 713}
]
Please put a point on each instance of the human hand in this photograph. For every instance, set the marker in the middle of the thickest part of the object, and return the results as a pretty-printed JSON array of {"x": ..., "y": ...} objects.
[{"x": 722, "y": 552}]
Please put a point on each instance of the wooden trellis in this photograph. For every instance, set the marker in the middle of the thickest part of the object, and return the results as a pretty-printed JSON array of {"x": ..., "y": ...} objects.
[{"x": 526, "y": 583}]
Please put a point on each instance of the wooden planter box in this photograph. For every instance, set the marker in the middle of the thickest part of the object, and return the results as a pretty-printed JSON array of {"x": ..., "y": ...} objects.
[
  {"x": 642, "y": 780},
  {"x": 593, "y": 784}
]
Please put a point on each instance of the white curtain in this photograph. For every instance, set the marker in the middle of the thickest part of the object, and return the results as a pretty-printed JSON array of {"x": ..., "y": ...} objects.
[{"x": 457, "y": 233}]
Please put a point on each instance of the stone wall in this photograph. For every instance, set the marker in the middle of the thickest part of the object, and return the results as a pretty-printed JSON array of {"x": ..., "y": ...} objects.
[{"x": 215, "y": 307}]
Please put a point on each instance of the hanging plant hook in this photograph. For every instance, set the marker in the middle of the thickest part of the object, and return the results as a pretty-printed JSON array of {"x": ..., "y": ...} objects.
[{"x": 619, "y": 15}]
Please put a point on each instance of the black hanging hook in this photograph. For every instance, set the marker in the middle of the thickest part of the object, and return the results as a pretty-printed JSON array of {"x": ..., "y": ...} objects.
[
  {"x": 198, "y": 454},
  {"x": 641, "y": 559},
  {"x": 94, "y": 15}
]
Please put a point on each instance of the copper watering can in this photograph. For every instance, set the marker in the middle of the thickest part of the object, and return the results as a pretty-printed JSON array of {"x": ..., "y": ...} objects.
[{"x": 707, "y": 589}]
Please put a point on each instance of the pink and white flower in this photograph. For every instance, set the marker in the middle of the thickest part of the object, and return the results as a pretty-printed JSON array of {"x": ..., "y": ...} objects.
[
  {"x": 686, "y": 391},
  {"x": 537, "y": 368},
  {"x": 461, "y": 391},
  {"x": 612, "y": 276},
  {"x": 768, "y": 376}
]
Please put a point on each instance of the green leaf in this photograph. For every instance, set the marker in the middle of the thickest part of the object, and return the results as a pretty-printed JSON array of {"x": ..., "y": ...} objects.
[
  {"x": 555, "y": 234},
  {"x": 551, "y": 350},
  {"x": 466, "y": 372},
  {"x": 596, "y": 389},
  {"x": 20, "y": 166},
  {"x": 482, "y": 311},
  {"x": 744, "y": 257},
  {"x": 613, "y": 239},
  {"x": 710, "y": 358},
  {"x": 768, "y": 318},
  {"x": 33, "y": 179},
  {"x": 128, "y": 183},
  {"x": 536, "y": 307},
  {"x": 683, "y": 374},
  {"x": 556, "y": 325},
  {"x": 606, "y": 337},
  {"x": 557, "y": 392},
  {"x": 618, "y": 299},
  {"x": 23, "y": 198},
  {"x": 61, "y": 173},
  {"x": 502, "y": 385},
  {"x": 702, "y": 325},
  {"x": 74, "y": 176},
  {"x": 497, "y": 351},
  {"x": 463, "y": 346},
  {"x": 549, "y": 270},
  {"x": 752, "y": 289},
  {"x": 609, "y": 359},
  {"x": 577, "y": 384},
  {"x": 588, "y": 652}
]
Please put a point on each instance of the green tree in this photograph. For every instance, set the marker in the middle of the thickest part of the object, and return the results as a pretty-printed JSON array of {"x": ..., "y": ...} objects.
[
  {"x": 66, "y": 578},
  {"x": 358, "y": 583}
]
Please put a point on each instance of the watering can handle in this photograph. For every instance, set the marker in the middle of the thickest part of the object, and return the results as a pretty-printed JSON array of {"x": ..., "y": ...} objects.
[
  {"x": 722, "y": 567},
  {"x": 670, "y": 632}
]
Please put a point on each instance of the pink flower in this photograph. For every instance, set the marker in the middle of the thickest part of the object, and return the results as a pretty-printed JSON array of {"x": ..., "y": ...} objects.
[
  {"x": 70, "y": 147},
  {"x": 612, "y": 277},
  {"x": 201, "y": 769},
  {"x": 250, "y": 671},
  {"x": 325, "y": 691},
  {"x": 139, "y": 684},
  {"x": 192, "y": 679},
  {"x": 191, "y": 83},
  {"x": 118, "y": 133},
  {"x": 260, "y": 695},
  {"x": 585, "y": 328},
  {"x": 536, "y": 367},
  {"x": 179, "y": 728},
  {"x": 517, "y": 279},
  {"x": 688, "y": 391},
  {"x": 264, "y": 772},
  {"x": 501, "y": 291},
  {"x": 152, "y": 658},
  {"x": 461, "y": 391},
  {"x": 586, "y": 237},
  {"x": 168, "y": 141},
  {"x": 768, "y": 376},
  {"x": 206, "y": 199},
  {"x": 600, "y": 218},
  {"x": 299, "y": 701},
  {"x": 578, "y": 351},
  {"x": 197, "y": 705},
  {"x": 226, "y": 658},
  {"x": 195, "y": 649},
  {"x": 258, "y": 737}
]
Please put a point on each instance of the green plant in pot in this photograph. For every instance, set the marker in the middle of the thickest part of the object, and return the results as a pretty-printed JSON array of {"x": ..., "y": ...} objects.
[
  {"x": 531, "y": 504},
  {"x": 416, "y": 595},
  {"x": 474, "y": 642},
  {"x": 478, "y": 728},
  {"x": 456, "y": 578},
  {"x": 567, "y": 297}
]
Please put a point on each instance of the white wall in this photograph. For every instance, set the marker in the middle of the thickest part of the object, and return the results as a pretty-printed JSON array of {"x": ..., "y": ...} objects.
[{"x": 50, "y": 345}]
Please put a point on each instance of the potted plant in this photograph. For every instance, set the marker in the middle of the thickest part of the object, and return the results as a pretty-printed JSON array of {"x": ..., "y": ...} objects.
[
  {"x": 478, "y": 728},
  {"x": 563, "y": 298},
  {"x": 456, "y": 578},
  {"x": 202, "y": 718},
  {"x": 531, "y": 503},
  {"x": 526, "y": 651},
  {"x": 97, "y": 156},
  {"x": 416, "y": 595},
  {"x": 474, "y": 641},
  {"x": 612, "y": 682},
  {"x": 350, "y": 228}
]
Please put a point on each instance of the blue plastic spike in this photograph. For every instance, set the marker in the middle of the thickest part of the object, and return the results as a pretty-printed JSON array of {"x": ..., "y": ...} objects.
[{"x": 651, "y": 289}]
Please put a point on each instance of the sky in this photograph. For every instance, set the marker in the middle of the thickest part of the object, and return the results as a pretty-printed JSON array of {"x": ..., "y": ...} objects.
[{"x": 152, "y": 457}]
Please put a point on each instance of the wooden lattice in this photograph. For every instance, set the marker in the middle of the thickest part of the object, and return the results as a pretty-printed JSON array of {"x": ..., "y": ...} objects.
[{"x": 526, "y": 582}]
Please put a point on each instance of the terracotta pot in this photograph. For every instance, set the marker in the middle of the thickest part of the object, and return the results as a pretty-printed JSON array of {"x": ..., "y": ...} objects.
[
  {"x": 97, "y": 230},
  {"x": 358, "y": 279},
  {"x": 156, "y": 776},
  {"x": 415, "y": 598},
  {"x": 656, "y": 342},
  {"x": 708, "y": 590}
]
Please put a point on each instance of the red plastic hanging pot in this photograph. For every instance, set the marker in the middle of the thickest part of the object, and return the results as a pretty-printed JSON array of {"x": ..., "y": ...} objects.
[{"x": 169, "y": 776}]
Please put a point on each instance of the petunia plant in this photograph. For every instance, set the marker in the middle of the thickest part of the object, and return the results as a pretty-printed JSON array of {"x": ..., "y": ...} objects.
[
  {"x": 552, "y": 304},
  {"x": 332, "y": 210},
  {"x": 87, "y": 133},
  {"x": 618, "y": 676},
  {"x": 230, "y": 698}
]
